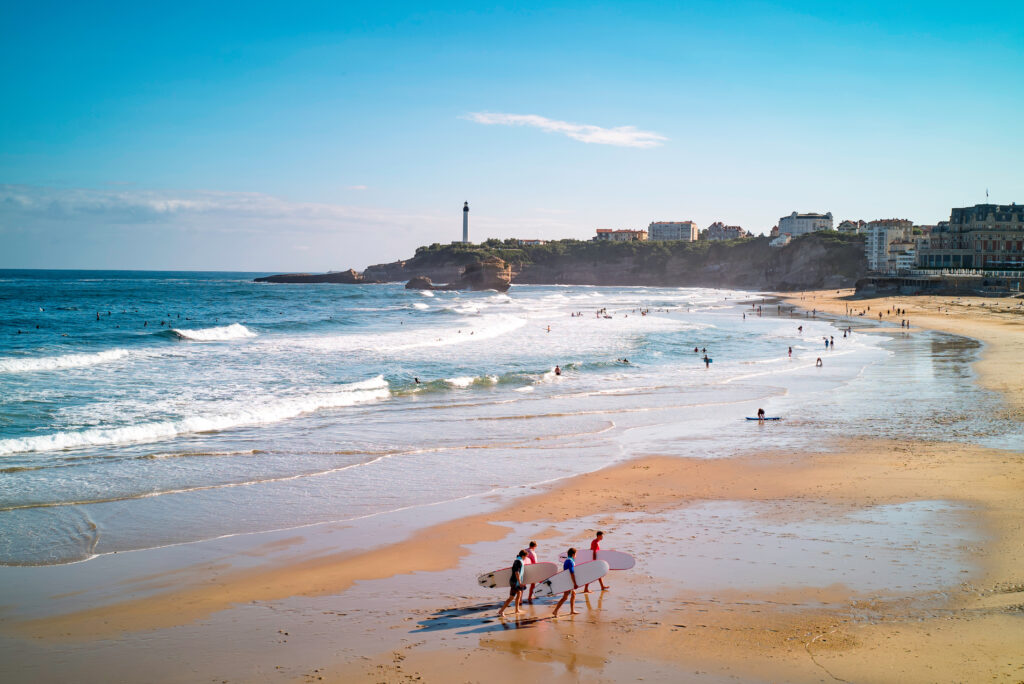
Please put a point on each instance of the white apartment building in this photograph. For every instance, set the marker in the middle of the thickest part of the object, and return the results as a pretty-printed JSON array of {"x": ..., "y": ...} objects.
[
  {"x": 881, "y": 235},
  {"x": 801, "y": 224},
  {"x": 672, "y": 230}
]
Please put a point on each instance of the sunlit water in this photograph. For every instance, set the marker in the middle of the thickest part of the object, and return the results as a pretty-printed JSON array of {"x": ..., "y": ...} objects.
[{"x": 149, "y": 409}]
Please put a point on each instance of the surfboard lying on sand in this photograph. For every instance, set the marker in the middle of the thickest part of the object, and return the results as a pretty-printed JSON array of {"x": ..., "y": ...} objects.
[
  {"x": 765, "y": 418},
  {"x": 616, "y": 560},
  {"x": 533, "y": 573},
  {"x": 585, "y": 573}
]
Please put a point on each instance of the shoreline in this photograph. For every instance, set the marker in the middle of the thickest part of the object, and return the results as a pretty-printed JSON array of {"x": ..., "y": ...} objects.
[{"x": 649, "y": 626}]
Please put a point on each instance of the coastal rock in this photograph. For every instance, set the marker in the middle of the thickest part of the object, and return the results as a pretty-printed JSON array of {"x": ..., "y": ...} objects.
[
  {"x": 349, "y": 277},
  {"x": 420, "y": 283},
  {"x": 490, "y": 273}
]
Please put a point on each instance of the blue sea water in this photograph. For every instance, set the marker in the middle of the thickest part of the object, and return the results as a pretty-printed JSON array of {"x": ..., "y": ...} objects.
[{"x": 141, "y": 409}]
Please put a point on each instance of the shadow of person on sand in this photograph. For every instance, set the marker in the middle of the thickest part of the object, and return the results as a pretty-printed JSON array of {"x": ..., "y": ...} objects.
[{"x": 467, "y": 618}]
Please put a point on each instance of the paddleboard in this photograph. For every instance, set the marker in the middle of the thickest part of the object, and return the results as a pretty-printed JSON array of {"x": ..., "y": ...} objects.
[
  {"x": 616, "y": 560},
  {"x": 585, "y": 573},
  {"x": 534, "y": 572},
  {"x": 765, "y": 418}
]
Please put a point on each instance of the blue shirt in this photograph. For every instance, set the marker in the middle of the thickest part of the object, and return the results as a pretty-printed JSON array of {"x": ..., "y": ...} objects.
[{"x": 569, "y": 564}]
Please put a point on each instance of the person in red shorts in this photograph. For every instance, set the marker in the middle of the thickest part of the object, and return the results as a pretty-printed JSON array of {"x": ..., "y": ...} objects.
[{"x": 595, "y": 546}]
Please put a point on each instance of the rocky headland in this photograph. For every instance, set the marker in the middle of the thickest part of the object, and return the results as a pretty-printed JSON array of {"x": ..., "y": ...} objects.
[{"x": 827, "y": 260}]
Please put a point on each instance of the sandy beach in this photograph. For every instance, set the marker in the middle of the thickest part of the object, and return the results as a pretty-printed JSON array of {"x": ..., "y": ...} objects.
[{"x": 866, "y": 560}]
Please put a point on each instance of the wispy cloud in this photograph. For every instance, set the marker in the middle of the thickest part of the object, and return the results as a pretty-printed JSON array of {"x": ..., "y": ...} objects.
[
  {"x": 356, "y": 187},
  {"x": 620, "y": 136}
]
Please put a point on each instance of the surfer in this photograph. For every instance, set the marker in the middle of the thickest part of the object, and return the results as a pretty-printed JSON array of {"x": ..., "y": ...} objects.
[
  {"x": 558, "y": 371},
  {"x": 817, "y": 364},
  {"x": 416, "y": 380},
  {"x": 707, "y": 361},
  {"x": 531, "y": 558},
  {"x": 760, "y": 416},
  {"x": 570, "y": 565},
  {"x": 515, "y": 584},
  {"x": 595, "y": 546}
]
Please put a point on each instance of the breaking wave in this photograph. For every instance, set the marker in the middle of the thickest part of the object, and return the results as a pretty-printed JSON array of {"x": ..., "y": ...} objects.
[
  {"x": 235, "y": 331},
  {"x": 48, "y": 363}
]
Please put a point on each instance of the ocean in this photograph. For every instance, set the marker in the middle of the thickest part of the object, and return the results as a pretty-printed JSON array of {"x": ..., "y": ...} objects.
[{"x": 147, "y": 409}]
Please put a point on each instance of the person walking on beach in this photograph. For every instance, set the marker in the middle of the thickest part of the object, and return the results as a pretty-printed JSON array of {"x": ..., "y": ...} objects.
[
  {"x": 595, "y": 546},
  {"x": 790, "y": 352},
  {"x": 570, "y": 565},
  {"x": 515, "y": 585},
  {"x": 531, "y": 558}
]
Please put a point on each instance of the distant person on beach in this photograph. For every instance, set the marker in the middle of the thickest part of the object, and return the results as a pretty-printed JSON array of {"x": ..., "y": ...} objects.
[
  {"x": 595, "y": 546},
  {"x": 531, "y": 558},
  {"x": 558, "y": 371},
  {"x": 707, "y": 361},
  {"x": 800, "y": 328},
  {"x": 817, "y": 364},
  {"x": 790, "y": 352},
  {"x": 760, "y": 416},
  {"x": 570, "y": 565},
  {"x": 515, "y": 584}
]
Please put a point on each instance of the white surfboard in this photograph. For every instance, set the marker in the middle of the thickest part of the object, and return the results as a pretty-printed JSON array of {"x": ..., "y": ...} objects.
[
  {"x": 585, "y": 573},
  {"x": 617, "y": 560},
  {"x": 533, "y": 573}
]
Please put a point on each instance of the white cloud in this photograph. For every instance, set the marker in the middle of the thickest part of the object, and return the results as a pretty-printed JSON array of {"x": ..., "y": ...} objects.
[
  {"x": 357, "y": 187},
  {"x": 620, "y": 136}
]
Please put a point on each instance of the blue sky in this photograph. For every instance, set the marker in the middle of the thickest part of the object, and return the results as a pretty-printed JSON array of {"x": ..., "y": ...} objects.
[{"x": 314, "y": 136}]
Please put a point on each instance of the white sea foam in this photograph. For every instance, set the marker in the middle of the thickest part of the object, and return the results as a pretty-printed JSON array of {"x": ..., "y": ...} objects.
[
  {"x": 258, "y": 412},
  {"x": 426, "y": 293},
  {"x": 235, "y": 331},
  {"x": 421, "y": 306},
  {"x": 463, "y": 381},
  {"x": 48, "y": 363}
]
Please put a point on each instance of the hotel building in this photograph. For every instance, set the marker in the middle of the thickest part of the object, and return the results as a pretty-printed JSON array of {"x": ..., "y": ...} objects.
[
  {"x": 801, "y": 224},
  {"x": 985, "y": 236}
]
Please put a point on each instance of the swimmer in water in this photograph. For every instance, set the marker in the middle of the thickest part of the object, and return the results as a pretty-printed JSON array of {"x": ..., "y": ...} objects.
[{"x": 558, "y": 371}]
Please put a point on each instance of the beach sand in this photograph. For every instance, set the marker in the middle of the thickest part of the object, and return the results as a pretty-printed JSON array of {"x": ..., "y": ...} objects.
[{"x": 870, "y": 560}]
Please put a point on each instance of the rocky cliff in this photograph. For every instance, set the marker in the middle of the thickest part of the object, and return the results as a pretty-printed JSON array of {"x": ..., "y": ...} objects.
[{"x": 818, "y": 260}]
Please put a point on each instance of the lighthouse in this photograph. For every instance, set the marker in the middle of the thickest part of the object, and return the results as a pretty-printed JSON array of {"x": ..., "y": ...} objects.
[{"x": 465, "y": 223}]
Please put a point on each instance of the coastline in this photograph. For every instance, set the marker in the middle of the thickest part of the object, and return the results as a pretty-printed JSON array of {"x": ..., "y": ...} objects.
[{"x": 794, "y": 633}]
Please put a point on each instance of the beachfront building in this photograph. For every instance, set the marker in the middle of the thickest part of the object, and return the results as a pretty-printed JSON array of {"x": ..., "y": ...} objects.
[
  {"x": 718, "y": 232},
  {"x": 672, "y": 230},
  {"x": 624, "y": 235},
  {"x": 781, "y": 241},
  {"x": 881, "y": 235},
  {"x": 985, "y": 236},
  {"x": 849, "y": 226},
  {"x": 801, "y": 224}
]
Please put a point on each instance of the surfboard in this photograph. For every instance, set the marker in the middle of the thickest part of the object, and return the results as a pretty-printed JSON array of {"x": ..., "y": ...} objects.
[
  {"x": 533, "y": 573},
  {"x": 585, "y": 573},
  {"x": 766, "y": 418},
  {"x": 616, "y": 560}
]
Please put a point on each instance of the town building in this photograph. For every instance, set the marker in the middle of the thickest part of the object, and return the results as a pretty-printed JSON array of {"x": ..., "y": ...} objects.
[
  {"x": 985, "y": 236},
  {"x": 781, "y": 240},
  {"x": 624, "y": 235},
  {"x": 532, "y": 242},
  {"x": 881, "y": 235},
  {"x": 672, "y": 230},
  {"x": 849, "y": 226},
  {"x": 718, "y": 231},
  {"x": 801, "y": 224}
]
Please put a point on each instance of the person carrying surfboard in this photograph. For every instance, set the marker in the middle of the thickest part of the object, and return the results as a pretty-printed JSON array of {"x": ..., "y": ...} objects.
[
  {"x": 531, "y": 557},
  {"x": 515, "y": 584},
  {"x": 595, "y": 546},
  {"x": 570, "y": 565},
  {"x": 760, "y": 416}
]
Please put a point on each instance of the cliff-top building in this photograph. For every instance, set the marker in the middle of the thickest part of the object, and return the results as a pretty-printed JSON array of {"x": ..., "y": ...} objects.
[
  {"x": 801, "y": 224},
  {"x": 624, "y": 235},
  {"x": 672, "y": 230},
  {"x": 985, "y": 236},
  {"x": 718, "y": 232}
]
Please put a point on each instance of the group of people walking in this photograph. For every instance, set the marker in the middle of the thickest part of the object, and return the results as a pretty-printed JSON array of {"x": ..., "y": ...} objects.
[{"x": 527, "y": 556}]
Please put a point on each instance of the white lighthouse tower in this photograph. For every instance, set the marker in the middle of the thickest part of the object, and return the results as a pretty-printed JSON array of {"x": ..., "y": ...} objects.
[{"x": 465, "y": 223}]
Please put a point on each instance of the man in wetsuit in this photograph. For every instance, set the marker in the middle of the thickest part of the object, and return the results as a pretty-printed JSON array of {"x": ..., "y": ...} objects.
[{"x": 515, "y": 584}]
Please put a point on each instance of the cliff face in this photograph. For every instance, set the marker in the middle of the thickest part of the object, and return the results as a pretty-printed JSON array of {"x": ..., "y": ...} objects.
[
  {"x": 489, "y": 274},
  {"x": 809, "y": 262}
]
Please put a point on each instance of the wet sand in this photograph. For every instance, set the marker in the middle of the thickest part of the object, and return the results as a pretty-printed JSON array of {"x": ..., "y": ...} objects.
[{"x": 872, "y": 561}]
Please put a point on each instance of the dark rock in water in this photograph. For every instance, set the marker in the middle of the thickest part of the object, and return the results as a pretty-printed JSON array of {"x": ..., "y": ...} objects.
[
  {"x": 420, "y": 283},
  {"x": 349, "y": 277},
  {"x": 490, "y": 273}
]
